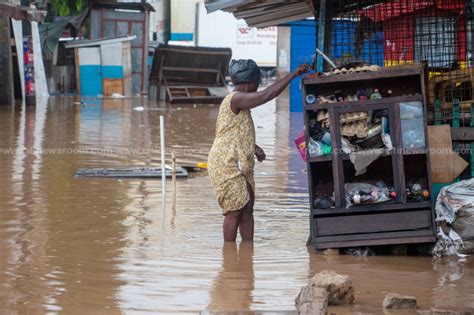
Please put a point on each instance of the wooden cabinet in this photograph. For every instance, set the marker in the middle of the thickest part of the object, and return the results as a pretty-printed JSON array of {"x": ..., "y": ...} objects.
[{"x": 337, "y": 113}]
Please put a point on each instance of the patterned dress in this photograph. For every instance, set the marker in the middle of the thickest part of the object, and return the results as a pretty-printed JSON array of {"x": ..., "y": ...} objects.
[{"x": 231, "y": 159}]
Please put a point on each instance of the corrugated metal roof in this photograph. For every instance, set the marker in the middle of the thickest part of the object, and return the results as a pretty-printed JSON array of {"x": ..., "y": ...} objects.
[
  {"x": 136, "y": 6},
  {"x": 100, "y": 41},
  {"x": 262, "y": 13}
]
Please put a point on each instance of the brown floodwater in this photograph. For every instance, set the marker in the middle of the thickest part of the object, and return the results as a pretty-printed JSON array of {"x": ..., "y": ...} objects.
[{"x": 111, "y": 246}]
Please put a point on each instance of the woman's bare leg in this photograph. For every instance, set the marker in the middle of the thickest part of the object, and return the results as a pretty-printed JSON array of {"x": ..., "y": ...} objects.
[
  {"x": 231, "y": 224},
  {"x": 246, "y": 225}
]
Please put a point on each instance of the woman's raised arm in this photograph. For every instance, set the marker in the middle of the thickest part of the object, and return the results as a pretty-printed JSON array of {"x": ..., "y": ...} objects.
[{"x": 243, "y": 101}]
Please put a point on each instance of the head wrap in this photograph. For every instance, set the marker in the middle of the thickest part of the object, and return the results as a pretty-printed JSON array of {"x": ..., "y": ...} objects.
[{"x": 244, "y": 71}]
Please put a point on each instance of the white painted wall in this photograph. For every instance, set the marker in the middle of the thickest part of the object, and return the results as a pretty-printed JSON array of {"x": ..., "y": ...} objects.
[{"x": 183, "y": 17}]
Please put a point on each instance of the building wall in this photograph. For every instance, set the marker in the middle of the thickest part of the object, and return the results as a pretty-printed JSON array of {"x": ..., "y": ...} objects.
[
  {"x": 160, "y": 21},
  {"x": 283, "y": 50},
  {"x": 160, "y": 24},
  {"x": 183, "y": 20},
  {"x": 303, "y": 46}
]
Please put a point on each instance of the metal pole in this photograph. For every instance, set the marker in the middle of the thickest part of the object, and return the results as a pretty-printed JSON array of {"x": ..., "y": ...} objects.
[
  {"x": 321, "y": 34},
  {"x": 163, "y": 165},
  {"x": 173, "y": 174}
]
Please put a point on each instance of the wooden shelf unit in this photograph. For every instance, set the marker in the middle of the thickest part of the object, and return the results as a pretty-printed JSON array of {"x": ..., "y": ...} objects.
[{"x": 398, "y": 221}]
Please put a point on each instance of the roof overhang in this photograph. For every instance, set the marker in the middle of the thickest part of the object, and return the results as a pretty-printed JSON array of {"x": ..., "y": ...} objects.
[
  {"x": 134, "y": 6},
  {"x": 99, "y": 41},
  {"x": 263, "y": 13}
]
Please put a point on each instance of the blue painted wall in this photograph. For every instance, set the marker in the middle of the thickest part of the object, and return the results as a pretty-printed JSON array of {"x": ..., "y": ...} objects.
[
  {"x": 91, "y": 80},
  {"x": 182, "y": 36},
  {"x": 303, "y": 45},
  {"x": 112, "y": 72}
]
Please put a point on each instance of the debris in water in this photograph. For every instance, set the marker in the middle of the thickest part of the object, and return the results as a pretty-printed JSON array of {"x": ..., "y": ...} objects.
[
  {"x": 398, "y": 301},
  {"x": 130, "y": 172},
  {"x": 139, "y": 109},
  {"x": 359, "y": 251},
  {"x": 339, "y": 287},
  {"x": 312, "y": 301},
  {"x": 117, "y": 95}
]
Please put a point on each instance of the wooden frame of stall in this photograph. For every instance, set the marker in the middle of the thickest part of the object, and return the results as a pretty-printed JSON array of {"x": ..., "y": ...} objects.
[
  {"x": 189, "y": 74},
  {"x": 394, "y": 222}
]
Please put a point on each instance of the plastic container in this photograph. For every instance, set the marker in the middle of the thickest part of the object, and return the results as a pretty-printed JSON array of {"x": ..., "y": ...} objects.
[
  {"x": 411, "y": 110},
  {"x": 413, "y": 133},
  {"x": 413, "y": 130}
]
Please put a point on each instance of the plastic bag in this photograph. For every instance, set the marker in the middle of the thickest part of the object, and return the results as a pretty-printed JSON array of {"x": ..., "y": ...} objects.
[
  {"x": 315, "y": 148},
  {"x": 363, "y": 193},
  {"x": 455, "y": 212},
  {"x": 300, "y": 143}
]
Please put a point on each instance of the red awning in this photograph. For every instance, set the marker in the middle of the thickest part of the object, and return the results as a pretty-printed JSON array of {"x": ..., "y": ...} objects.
[{"x": 385, "y": 11}]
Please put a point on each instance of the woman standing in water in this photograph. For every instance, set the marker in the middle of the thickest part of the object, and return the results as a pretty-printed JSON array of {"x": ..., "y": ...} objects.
[{"x": 231, "y": 159}]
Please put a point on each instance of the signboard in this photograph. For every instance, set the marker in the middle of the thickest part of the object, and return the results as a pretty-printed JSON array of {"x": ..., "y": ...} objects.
[{"x": 221, "y": 29}]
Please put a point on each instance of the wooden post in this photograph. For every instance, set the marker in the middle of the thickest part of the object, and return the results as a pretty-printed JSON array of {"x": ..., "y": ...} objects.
[
  {"x": 472, "y": 143},
  {"x": 6, "y": 66},
  {"x": 78, "y": 71}
]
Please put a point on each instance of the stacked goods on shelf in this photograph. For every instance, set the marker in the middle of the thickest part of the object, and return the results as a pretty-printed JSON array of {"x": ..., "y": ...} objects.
[{"x": 367, "y": 157}]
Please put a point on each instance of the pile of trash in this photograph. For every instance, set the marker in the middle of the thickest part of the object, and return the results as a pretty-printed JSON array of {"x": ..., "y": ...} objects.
[{"x": 455, "y": 218}]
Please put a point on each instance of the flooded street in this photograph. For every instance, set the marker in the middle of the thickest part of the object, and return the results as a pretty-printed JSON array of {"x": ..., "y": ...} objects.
[{"x": 111, "y": 246}]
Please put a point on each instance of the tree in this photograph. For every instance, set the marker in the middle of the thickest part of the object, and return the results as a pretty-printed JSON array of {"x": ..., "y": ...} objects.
[{"x": 68, "y": 7}]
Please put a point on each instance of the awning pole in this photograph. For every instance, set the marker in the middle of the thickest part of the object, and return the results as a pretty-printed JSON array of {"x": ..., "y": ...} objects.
[{"x": 163, "y": 162}]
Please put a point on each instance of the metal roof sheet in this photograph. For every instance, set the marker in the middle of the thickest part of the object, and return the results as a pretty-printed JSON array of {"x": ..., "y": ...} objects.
[
  {"x": 100, "y": 41},
  {"x": 136, "y": 6},
  {"x": 263, "y": 13}
]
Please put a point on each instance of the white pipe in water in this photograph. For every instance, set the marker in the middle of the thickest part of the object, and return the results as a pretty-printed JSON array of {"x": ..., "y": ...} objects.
[{"x": 163, "y": 165}]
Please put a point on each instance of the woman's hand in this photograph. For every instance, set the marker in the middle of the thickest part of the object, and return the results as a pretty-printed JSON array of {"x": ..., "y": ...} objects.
[
  {"x": 304, "y": 68},
  {"x": 260, "y": 154}
]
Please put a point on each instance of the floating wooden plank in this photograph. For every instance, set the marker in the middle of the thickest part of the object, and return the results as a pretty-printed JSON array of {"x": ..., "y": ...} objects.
[{"x": 129, "y": 172}]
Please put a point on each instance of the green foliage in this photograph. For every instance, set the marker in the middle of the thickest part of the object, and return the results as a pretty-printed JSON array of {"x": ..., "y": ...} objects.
[{"x": 68, "y": 7}]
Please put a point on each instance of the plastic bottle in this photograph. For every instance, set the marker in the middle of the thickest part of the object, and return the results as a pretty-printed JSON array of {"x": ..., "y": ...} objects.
[
  {"x": 375, "y": 95},
  {"x": 362, "y": 197}
]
